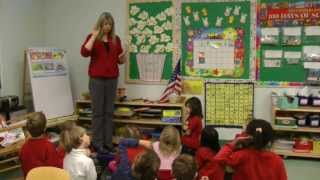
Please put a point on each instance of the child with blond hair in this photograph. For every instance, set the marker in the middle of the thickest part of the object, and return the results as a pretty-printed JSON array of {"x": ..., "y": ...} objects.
[
  {"x": 167, "y": 148},
  {"x": 77, "y": 161}
]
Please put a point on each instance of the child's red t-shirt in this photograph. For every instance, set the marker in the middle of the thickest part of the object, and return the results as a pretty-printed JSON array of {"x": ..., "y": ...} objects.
[
  {"x": 37, "y": 152},
  {"x": 193, "y": 139},
  {"x": 252, "y": 164},
  {"x": 207, "y": 165}
]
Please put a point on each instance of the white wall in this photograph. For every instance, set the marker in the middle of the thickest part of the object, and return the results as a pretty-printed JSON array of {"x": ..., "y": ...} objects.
[{"x": 21, "y": 24}]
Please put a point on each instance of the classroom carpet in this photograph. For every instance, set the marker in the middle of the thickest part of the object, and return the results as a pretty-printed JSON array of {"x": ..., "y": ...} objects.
[{"x": 297, "y": 169}]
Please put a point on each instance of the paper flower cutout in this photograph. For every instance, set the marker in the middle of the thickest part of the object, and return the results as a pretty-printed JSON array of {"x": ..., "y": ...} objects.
[
  {"x": 145, "y": 48},
  {"x": 134, "y": 31},
  {"x": 165, "y": 38},
  {"x": 158, "y": 30},
  {"x": 161, "y": 16},
  {"x": 151, "y": 21},
  {"x": 143, "y": 15},
  {"x": 140, "y": 39},
  {"x": 153, "y": 39},
  {"x": 169, "y": 47},
  {"x": 132, "y": 22},
  {"x": 129, "y": 38},
  {"x": 141, "y": 25},
  {"x": 167, "y": 25},
  {"x": 133, "y": 48},
  {"x": 160, "y": 48},
  {"x": 147, "y": 32},
  {"x": 169, "y": 11},
  {"x": 134, "y": 10}
]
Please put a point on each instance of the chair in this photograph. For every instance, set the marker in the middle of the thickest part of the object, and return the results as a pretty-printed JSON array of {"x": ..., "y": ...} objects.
[{"x": 52, "y": 173}]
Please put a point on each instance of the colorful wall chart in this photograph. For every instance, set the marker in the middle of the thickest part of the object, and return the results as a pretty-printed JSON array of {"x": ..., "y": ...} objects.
[
  {"x": 215, "y": 39},
  {"x": 288, "y": 36},
  {"x": 228, "y": 104},
  {"x": 47, "y": 62},
  {"x": 150, "y": 37}
]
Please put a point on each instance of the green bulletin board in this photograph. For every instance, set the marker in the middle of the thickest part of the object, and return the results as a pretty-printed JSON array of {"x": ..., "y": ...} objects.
[
  {"x": 150, "y": 34},
  {"x": 215, "y": 39},
  {"x": 281, "y": 14}
]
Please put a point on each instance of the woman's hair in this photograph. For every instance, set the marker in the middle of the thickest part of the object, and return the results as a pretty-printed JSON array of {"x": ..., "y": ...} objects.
[
  {"x": 261, "y": 132},
  {"x": 195, "y": 106},
  {"x": 131, "y": 131},
  {"x": 71, "y": 137},
  {"x": 170, "y": 141},
  {"x": 210, "y": 138},
  {"x": 146, "y": 166},
  {"x": 184, "y": 167},
  {"x": 105, "y": 16},
  {"x": 36, "y": 124}
]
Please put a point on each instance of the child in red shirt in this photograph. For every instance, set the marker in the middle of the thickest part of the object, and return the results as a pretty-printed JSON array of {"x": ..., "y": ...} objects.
[
  {"x": 192, "y": 127},
  {"x": 209, "y": 147},
  {"x": 38, "y": 150},
  {"x": 249, "y": 155}
]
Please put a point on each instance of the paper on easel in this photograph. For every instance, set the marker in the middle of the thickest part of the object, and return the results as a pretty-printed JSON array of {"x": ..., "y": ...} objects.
[{"x": 50, "y": 82}]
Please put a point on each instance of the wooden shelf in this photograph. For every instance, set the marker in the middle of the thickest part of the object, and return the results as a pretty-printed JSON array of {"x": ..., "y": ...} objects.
[
  {"x": 138, "y": 103},
  {"x": 145, "y": 121},
  {"x": 299, "y": 129},
  {"x": 11, "y": 149},
  {"x": 300, "y": 109},
  {"x": 85, "y": 118},
  {"x": 9, "y": 167},
  {"x": 50, "y": 122},
  {"x": 295, "y": 154}
]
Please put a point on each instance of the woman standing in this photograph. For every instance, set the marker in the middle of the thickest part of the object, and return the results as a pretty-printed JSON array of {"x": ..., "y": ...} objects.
[{"x": 105, "y": 51}]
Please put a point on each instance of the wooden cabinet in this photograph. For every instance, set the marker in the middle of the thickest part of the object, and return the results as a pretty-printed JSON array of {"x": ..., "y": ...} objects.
[
  {"x": 9, "y": 155},
  {"x": 293, "y": 130}
]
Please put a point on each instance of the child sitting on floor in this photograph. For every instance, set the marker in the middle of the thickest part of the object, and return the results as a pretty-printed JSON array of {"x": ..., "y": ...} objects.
[
  {"x": 144, "y": 167},
  {"x": 37, "y": 150},
  {"x": 209, "y": 147},
  {"x": 77, "y": 161},
  {"x": 249, "y": 155},
  {"x": 184, "y": 167}
]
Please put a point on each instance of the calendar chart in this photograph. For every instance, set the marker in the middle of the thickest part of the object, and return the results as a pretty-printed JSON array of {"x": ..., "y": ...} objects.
[{"x": 228, "y": 104}]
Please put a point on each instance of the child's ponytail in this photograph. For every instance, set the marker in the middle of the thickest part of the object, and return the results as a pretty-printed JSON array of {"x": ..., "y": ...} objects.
[{"x": 261, "y": 132}]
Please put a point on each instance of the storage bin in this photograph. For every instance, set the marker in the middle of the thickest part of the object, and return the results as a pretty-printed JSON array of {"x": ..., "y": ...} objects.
[
  {"x": 286, "y": 102},
  {"x": 303, "y": 100},
  {"x": 316, "y": 146},
  {"x": 286, "y": 121},
  {"x": 301, "y": 120},
  {"x": 314, "y": 120},
  {"x": 315, "y": 101}
]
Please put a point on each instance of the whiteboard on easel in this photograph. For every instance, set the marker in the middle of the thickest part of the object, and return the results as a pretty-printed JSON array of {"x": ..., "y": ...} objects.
[{"x": 50, "y": 82}]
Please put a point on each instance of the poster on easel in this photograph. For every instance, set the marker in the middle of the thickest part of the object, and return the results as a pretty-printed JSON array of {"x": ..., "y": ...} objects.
[
  {"x": 228, "y": 104},
  {"x": 288, "y": 36},
  {"x": 50, "y": 82},
  {"x": 215, "y": 39}
]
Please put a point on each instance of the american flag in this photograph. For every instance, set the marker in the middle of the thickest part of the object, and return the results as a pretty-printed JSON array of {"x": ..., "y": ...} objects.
[{"x": 174, "y": 85}]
